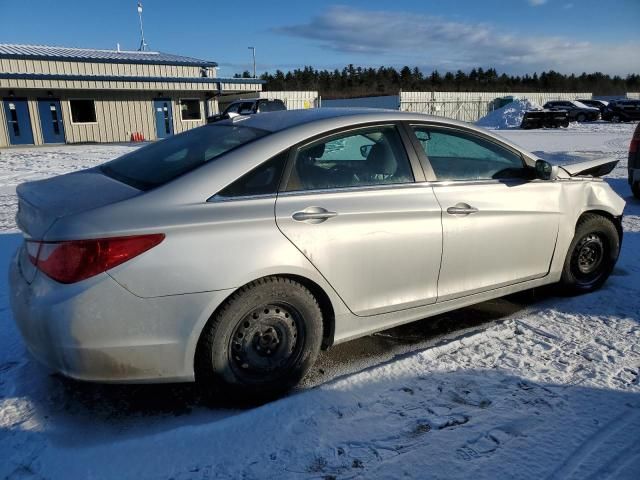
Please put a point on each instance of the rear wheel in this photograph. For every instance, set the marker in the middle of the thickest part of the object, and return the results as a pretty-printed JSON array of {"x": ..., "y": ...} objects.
[
  {"x": 592, "y": 254},
  {"x": 616, "y": 119},
  {"x": 261, "y": 342},
  {"x": 581, "y": 117}
]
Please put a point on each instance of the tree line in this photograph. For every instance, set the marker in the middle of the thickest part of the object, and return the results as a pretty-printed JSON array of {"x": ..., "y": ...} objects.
[{"x": 354, "y": 81}]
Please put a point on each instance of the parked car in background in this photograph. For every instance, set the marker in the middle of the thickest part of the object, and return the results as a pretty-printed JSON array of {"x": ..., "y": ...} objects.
[
  {"x": 622, "y": 111},
  {"x": 544, "y": 119},
  {"x": 232, "y": 253},
  {"x": 249, "y": 106},
  {"x": 599, "y": 104},
  {"x": 634, "y": 162},
  {"x": 578, "y": 112}
]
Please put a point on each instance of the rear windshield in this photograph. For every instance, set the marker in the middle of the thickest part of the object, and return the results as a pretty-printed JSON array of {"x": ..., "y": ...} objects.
[{"x": 161, "y": 162}]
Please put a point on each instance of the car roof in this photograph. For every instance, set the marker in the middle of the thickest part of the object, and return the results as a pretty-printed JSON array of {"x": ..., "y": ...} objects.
[
  {"x": 285, "y": 119},
  {"x": 241, "y": 100}
]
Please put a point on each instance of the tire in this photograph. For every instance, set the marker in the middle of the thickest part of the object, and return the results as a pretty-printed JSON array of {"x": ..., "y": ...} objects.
[
  {"x": 635, "y": 188},
  {"x": 260, "y": 342},
  {"x": 616, "y": 118},
  {"x": 591, "y": 256},
  {"x": 581, "y": 117},
  {"x": 565, "y": 124}
]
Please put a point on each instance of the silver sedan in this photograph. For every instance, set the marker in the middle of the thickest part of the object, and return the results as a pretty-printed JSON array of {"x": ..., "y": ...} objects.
[{"x": 232, "y": 253}]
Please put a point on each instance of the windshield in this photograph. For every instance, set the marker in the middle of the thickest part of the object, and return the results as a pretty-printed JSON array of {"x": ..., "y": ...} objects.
[
  {"x": 161, "y": 162},
  {"x": 580, "y": 104}
]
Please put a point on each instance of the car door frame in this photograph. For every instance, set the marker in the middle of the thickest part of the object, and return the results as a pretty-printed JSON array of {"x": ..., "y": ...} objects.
[
  {"x": 417, "y": 169},
  {"x": 527, "y": 162}
]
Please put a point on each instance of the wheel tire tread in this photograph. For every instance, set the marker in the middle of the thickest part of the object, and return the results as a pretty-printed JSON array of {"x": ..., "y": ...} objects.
[
  {"x": 211, "y": 384},
  {"x": 567, "y": 282}
]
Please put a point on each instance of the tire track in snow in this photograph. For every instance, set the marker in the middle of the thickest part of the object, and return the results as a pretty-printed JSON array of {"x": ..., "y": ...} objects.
[{"x": 593, "y": 445}]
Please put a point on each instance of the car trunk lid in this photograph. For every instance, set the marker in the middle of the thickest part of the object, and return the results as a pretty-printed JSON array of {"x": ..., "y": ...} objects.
[{"x": 42, "y": 202}]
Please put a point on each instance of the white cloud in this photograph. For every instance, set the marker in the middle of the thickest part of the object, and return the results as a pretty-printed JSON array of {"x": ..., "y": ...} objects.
[
  {"x": 536, "y": 3},
  {"x": 436, "y": 42}
]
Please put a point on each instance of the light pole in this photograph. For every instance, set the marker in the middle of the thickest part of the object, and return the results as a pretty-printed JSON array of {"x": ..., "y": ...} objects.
[
  {"x": 253, "y": 50},
  {"x": 143, "y": 44}
]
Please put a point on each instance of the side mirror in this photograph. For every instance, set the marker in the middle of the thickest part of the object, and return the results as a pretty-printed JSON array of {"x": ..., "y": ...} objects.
[{"x": 545, "y": 171}]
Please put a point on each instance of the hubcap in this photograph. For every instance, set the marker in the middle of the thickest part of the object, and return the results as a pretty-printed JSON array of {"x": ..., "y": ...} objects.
[
  {"x": 588, "y": 258},
  {"x": 265, "y": 340}
]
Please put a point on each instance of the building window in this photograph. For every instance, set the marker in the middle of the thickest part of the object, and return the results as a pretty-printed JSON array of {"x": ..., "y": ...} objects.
[
  {"x": 190, "y": 109},
  {"x": 83, "y": 111}
]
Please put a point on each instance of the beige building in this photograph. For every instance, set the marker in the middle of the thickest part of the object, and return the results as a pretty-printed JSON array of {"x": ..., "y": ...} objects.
[{"x": 73, "y": 95}]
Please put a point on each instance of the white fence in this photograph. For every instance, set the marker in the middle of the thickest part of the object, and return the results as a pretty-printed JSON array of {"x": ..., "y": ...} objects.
[
  {"x": 293, "y": 100},
  {"x": 633, "y": 95},
  {"x": 471, "y": 106}
]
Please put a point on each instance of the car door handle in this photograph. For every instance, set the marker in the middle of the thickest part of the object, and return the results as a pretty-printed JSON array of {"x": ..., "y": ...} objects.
[
  {"x": 461, "y": 209},
  {"x": 313, "y": 215}
]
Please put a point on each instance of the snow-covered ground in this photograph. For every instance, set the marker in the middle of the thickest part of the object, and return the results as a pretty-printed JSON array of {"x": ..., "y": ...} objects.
[{"x": 532, "y": 386}]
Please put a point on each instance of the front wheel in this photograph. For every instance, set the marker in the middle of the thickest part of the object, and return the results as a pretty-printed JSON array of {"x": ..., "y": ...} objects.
[
  {"x": 592, "y": 255},
  {"x": 581, "y": 117},
  {"x": 260, "y": 342}
]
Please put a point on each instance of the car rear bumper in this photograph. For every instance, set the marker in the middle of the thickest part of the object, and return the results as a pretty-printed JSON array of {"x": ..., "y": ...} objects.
[{"x": 97, "y": 330}]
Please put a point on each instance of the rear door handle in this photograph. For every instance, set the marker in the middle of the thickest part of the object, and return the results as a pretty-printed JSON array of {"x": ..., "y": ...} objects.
[
  {"x": 313, "y": 215},
  {"x": 461, "y": 209}
]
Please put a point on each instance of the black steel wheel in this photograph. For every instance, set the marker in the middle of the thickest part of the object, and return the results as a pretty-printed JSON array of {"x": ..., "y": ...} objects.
[
  {"x": 587, "y": 258},
  {"x": 592, "y": 254},
  {"x": 260, "y": 342},
  {"x": 581, "y": 117},
  {"x": 265, "y": 342}
]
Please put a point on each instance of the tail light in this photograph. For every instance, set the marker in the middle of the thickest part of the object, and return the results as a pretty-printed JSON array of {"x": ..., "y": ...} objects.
[{"x": 75, "y": 260}]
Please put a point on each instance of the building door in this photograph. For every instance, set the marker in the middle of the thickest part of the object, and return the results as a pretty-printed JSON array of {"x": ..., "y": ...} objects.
[
  {"x": 164, "y": 118},
  {"x": 51, "y": 121},
  {"x": 18, "y": 121}
]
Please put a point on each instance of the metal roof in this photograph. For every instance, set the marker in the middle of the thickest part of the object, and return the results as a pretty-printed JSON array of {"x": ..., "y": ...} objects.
[
  {"x": 46, "y": 52},
  {"x": 123, "y": 78}
]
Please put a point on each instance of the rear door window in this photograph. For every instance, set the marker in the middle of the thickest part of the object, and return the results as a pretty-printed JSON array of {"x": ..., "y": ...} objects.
[
  {"x": 161, "y": 162},
  {"x": 369, "y": 156}
]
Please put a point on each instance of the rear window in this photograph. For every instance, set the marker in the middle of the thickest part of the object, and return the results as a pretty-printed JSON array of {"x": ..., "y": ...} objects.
[{"x": 161, "y": 162}]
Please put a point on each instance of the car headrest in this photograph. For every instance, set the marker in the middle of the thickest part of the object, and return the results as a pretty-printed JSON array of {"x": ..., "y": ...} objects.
[
  {"x": 317, "y": 151},
  {"x": 381, "y": 160}
]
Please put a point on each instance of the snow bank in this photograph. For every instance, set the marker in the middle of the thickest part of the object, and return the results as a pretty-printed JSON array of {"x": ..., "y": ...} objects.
[{"x": 509, "y": 116}]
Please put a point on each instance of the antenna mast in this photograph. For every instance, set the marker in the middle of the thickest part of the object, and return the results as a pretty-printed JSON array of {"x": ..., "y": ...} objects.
[{"x": 143, "y": 44}]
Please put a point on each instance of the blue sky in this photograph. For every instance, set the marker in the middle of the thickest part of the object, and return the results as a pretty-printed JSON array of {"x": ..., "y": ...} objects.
[{"x": 515, "y": 36}]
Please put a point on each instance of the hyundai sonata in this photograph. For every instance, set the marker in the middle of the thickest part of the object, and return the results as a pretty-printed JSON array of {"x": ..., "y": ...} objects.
[{"x": 232, "y": 253}]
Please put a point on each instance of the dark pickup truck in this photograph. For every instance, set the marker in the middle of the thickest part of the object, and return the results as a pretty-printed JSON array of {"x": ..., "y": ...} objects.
[
  {"x": 622, "y": 111},
  {"x": 577, "y": 111},
  {"x": 545, "y": 118}
]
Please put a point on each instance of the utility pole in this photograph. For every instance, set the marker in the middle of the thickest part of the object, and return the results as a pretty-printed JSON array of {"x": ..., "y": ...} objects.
[
  {"x": 143, "y": 44},
  {"x": 253, "y": 50}
]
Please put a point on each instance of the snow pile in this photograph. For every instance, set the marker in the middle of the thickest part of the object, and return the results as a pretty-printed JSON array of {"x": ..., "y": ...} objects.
[{"x": 509, "y": 116}]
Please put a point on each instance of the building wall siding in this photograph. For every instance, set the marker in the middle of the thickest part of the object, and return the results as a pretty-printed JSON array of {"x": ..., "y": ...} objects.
[
  {"x": 4, "y": 134},
  {"x": 118, "y": 115}
]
